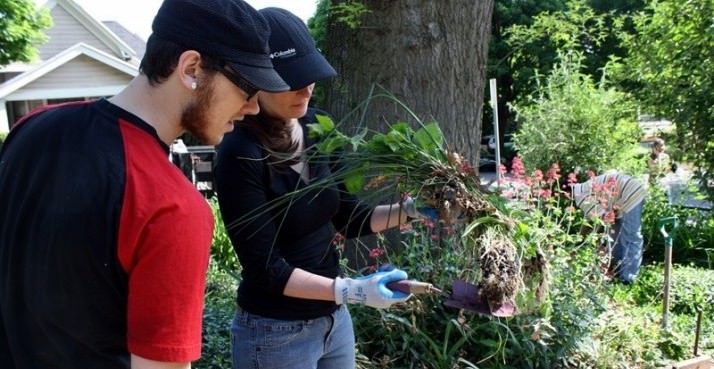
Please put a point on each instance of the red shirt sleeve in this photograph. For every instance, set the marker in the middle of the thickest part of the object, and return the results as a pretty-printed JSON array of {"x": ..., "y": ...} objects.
[{"x": 165, "y": 234}]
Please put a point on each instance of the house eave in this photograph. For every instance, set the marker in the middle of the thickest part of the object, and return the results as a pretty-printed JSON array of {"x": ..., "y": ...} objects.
[{"x": 18, "y": 82}]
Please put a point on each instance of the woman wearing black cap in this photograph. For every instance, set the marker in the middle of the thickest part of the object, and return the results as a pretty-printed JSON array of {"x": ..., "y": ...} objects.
[{"x": 291, "y": 300}]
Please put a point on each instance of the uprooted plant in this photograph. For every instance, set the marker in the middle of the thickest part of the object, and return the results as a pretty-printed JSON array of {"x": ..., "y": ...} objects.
[{"x": 417, "y": 162}]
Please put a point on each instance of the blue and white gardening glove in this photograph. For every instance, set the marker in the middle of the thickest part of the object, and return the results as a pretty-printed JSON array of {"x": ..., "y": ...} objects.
[
  {"x": 370, "y": 290},
  {"x": 414, "y": 212}
]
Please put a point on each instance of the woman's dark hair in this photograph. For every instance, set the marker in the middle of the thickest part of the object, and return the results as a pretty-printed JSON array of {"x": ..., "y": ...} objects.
[
  {"x": 161, "y": 58},
  {"x": 275, "y": 135}
]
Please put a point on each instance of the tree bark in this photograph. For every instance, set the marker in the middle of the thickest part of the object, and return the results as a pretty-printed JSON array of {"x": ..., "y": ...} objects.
[{"x": 430, "y": 55}]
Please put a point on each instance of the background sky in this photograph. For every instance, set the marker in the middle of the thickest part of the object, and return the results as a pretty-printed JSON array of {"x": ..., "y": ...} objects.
[{"x": 136, "y": 15}]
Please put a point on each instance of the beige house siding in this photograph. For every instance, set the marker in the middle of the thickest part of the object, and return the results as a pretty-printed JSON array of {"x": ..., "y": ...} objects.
[
  {"x": 66, "y": 32},
  {"x": 82, "y": 71},
  {"x": 81, "y": 59}
]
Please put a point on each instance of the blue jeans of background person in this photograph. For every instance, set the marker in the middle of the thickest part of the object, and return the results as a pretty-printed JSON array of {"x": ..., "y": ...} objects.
[
  {"x": 323, "y": 343},
  {"x": 627, "y": 249}
]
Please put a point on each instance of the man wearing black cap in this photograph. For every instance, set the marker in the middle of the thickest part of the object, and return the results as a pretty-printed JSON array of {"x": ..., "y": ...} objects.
[
  {"x": 291, "y": 278},
  {"x": 104, "y": 243}
]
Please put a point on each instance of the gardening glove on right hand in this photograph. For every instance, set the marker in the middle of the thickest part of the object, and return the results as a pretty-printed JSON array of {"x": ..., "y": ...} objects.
[
  {"x": 409, "y": 206},
  {"x": 370, "y": 290}
]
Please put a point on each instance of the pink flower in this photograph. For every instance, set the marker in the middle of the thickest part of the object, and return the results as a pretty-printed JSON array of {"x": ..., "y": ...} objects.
[
  {"x": 609, "y": 217},
  {"x": 376, "y": 252},
  {"x": 598, "y": 188},
  {"x": 338, "y": 239},
  {"x": 572, "y": 178},
  {"x": 517, "y": 168},
  {"x": 406, "y": 227},
  {"x": 427, "y": 223},
  {"x": 553, "y": 174},
  {"x": 434, "y": 237},
  {"x": 538, "y": 175},
  {"x": 591, "y": 174},
  {"x": 467, "y": 168},
  {"x": 502, "y": 169}
]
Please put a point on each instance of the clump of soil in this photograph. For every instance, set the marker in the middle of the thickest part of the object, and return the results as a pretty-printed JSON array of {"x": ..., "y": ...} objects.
[
  {"x": 454, "y": 189},
  {"x": 500, "y": 268}
]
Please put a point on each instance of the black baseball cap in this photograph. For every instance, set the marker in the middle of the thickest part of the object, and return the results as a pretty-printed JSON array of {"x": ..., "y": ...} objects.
[
  {"x": 293, "y": 51},
  {"x": 229, "y": 30}
]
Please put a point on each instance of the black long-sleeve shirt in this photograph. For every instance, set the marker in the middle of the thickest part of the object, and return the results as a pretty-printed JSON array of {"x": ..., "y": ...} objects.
[{"x": 274, "y": 230}]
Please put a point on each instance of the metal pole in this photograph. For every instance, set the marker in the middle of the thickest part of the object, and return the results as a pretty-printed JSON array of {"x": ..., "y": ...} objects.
[
  {"x": 494, "y": 109},
  {"x": 668, "y": 240}
]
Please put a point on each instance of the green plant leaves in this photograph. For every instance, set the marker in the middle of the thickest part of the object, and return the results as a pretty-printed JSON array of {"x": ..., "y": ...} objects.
[
  {"x": 322, "y": 128},
  {"x": 429, "y": 138},
  {"x": 354, "y": 180}
]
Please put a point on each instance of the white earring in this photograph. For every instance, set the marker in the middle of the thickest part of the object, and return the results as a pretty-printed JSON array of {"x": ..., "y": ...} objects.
[{"x": 193, "y": 85}]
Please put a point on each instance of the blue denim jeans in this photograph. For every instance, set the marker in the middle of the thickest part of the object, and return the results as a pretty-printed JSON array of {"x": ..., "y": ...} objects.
[
  {"x": 627, "y": 249},
  {"x": 324, "y": 343}
]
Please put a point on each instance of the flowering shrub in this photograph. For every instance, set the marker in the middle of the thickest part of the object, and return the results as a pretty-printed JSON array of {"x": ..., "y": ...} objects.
[
  {"x": 576, "y": 122},
  {"x": 562, "y": 298}
]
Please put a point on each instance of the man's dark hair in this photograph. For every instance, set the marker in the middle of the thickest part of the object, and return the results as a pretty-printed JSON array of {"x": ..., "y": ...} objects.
[{"x": 161, "y": 58}]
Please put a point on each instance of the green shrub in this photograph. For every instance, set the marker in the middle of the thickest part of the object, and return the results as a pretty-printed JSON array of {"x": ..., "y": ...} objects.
[
  {"x": 563, "y": 297},
  {"x": 691, "y": 289},
  {"x": 693, "y": 241},
  {"x": 217, "y": 317},
  {"x": 576, "y": 123},
  {"x": 222, "y": 252},
  {"x": 569, "y": 315},
  {"x": 221, "y": 283}
]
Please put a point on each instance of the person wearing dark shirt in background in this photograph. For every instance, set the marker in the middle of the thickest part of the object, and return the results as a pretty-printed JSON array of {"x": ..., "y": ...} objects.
[
  {"x": 291, "y": 298},
  {"x": 104, "y": 243}
]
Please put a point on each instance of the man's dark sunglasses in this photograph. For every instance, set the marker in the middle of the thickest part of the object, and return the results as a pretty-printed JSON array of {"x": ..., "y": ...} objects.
[{"x": 239, "y": 81}]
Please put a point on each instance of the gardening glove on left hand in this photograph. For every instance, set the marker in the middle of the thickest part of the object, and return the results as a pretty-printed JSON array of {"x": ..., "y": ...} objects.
[
  {"x": 409, "y": 206},
  {"x": 370, "y": 290}
]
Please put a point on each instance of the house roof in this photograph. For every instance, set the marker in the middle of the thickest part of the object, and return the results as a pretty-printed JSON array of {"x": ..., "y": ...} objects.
[
  {"x": 132, "y": 39},
  {"x": 112, "y": 40},
  {"x": 63, "y": 58}
]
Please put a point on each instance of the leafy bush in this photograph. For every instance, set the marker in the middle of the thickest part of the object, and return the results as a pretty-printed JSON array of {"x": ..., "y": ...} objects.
[
  {"x": 562, "y": 300},
  {"x": 217, "y": 317},
  {"x": 221, "y": 283},
  {"x": 693, "y": 241},
  {"x": 668, "y": 64},
  {"x": 222, "y": 252},
  {"x": 691, "y": 289},
  {"x": 576, "y": 123},
  {"x": 576, "y": 320}
]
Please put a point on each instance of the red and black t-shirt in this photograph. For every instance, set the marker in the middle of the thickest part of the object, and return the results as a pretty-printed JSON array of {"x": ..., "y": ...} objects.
[{"x": 104, "y": 243}]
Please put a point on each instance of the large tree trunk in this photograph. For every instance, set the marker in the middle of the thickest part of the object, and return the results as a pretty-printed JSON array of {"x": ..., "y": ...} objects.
[{"x": 431, "y": 55}]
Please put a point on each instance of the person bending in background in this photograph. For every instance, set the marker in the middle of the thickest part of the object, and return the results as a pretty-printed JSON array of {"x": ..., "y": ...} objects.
[
  {"x": 619, "y": 198},
  {"x": 104, "y": 243},
  {"x": 291, "y": 298}
]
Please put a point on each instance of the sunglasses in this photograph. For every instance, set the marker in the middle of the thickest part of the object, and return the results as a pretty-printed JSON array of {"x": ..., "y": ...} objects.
[{"x": 239, "y": 81}]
